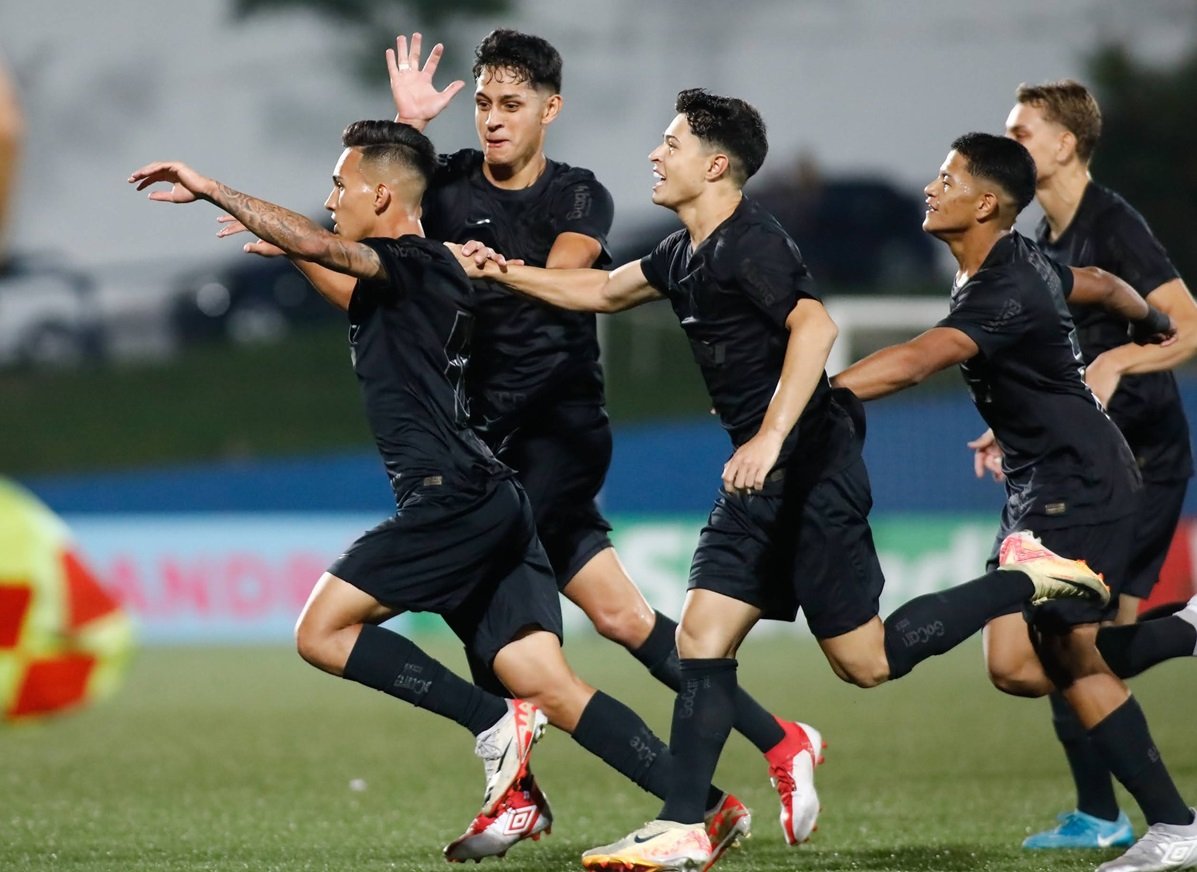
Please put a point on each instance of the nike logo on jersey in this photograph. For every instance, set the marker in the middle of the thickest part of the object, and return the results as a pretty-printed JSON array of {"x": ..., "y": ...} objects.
[{"x": 477, "y": 222}]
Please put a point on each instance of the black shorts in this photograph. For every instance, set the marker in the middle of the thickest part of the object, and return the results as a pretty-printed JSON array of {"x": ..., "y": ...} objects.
[
  {"x": 809, "y": 546},
  {"x": 1160, "y": 506},
  {"x": 1105, "y": 546},
  {"x": 470, "y": 555},
  {"x": 561, "y": 454}
]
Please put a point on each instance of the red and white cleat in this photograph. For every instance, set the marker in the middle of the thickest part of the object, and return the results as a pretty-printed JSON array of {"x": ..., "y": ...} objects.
[
  {"x": 792, "y": 770},
  {"x": 505, "y": 749},
  {"x": 524, "y": 813},
  {"x": 727, "y": 823}
]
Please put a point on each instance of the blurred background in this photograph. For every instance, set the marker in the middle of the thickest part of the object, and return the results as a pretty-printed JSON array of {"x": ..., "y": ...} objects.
[{"x": 190, "y": 411}]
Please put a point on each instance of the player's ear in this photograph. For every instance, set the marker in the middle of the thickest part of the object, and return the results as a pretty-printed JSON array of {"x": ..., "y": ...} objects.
[
  {"x": 987, "y": 207},
  {"x": 382, "y": 198},
  {"x": 1066, "y": 147},
  {"x": 718, "y": 167},
  {"x": 552, "y": 107}
]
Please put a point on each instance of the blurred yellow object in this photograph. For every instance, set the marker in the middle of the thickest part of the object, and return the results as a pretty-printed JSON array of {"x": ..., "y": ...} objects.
[{"x": 64, "y": 640}]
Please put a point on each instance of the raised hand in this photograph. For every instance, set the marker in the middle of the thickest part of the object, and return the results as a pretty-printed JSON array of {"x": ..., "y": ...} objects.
[
  {"x": 187, "y": 185},
  {"x": 232, "y": 226},
  {"x": 417, "y": 101}
]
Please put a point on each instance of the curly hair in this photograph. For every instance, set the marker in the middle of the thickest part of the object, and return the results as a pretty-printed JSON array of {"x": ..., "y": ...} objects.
[
  {"x": 728, "y": 124},
  {"x": 531, "y": 58}
]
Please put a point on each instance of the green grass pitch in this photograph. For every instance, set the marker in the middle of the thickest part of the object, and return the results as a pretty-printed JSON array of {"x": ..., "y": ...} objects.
[{"x": 241, "y": 759}]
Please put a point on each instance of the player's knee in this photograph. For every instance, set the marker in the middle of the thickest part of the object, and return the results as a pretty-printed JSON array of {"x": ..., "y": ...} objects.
[
  {"x": 1017, "y": 681},
  {"x": 626, "y": 627},
  {"x": 865, "y": 673},
  {"x": 312, "y": 643}
]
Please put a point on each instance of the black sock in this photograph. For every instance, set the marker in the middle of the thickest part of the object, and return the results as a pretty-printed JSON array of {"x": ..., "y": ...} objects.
[
  {"x": 616, "y": 735},
  {"x": 1094, "y": 786},
  {"x": 937, "y": 622},
  {"x": 1125, "y": 743},
  {"x": 393, "y": 664},
  {"x": 1131, "y": 648},
  {"x": 702, "y": 720},
  {"x": 659, "y": 654}
]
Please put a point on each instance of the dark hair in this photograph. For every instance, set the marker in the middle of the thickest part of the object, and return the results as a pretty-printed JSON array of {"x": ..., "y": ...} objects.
[
  {"x": 529, "y": 57},
  {"x": 1002, "y": 161},
  {"x": 391, "y": 142},
  {"x": 1068, "y": 103},
  {"x": 728, "y": 124}
]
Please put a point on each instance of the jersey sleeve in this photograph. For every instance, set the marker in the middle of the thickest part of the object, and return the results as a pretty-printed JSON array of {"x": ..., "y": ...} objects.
[
  {"x": 992, "y": 313},
  {"x": 405, "y": 261},
  {"x": 768, "y": 268},
  {"x": 655, "y": 264},
  {"x": 1135, "y": 255},
  {"x": 584, "y": 206}
]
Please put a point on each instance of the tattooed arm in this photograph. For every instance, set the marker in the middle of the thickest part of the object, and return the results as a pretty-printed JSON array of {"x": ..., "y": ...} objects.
[{"x": 293, "y": 233}]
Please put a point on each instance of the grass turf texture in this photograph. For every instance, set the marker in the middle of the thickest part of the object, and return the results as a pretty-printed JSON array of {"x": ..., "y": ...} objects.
[{"x": 242, "y": 759}]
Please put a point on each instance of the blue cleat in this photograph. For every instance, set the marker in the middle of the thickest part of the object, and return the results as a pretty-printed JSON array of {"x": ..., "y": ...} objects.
[{"x": 1080, "y": 830}]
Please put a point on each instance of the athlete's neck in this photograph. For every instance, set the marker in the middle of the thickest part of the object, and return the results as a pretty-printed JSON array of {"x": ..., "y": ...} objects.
[
  {"x": 703, "y": 214},
  {"x": 402, "y": 223},
  {"x": 516, "y": 176},
  {"x": 1060, "y": 196},
  {"x": 972, "y": 247}
]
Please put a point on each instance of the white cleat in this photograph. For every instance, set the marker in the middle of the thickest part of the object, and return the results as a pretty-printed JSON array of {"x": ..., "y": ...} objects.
[
  {"x": 505, "y": 749},
  {"x": 523, "y": 814},
  {"x": 658, "y": 846},
  {"x": 1053, "y": 576},
  {"x": 794, "y": 779},
  {"x": 1164, "y": 847}
]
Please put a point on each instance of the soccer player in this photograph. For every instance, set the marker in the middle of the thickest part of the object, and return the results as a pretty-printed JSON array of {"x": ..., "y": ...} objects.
[
  {"x": 535, "y": 383},
  {"x": 462, "y": 542},
  {"x": 790, "y": 526},
  {"x": 1086, "y": 224},
  {"x": 1069, "y": 474}
]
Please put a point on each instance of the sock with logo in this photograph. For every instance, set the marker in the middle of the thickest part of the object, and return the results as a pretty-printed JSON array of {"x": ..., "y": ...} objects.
[
  {"x": 1125, "y": 743},
  {"x": 394, "y": 665},
  {"x": 1094, "y": 786},
  {"x": 937, "y": 622},
  {"x": 702, "y": 721},
  {"x": 659, "y": 654},
  {"x": 1132, "y": 648},
  {"x": 615, "y": 734}
]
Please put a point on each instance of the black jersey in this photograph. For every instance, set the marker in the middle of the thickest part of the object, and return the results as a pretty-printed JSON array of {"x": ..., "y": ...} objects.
[
  {"x": 522, "y": 348},
  {"x": 732, "y": 296},
  {"x": 409, "y": 336},
  {"x": 1107, "y": 232},
  {"x": 1065, "y": 461}
]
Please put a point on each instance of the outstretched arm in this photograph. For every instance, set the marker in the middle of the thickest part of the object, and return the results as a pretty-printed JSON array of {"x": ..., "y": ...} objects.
[
  {"x": 417, "y": 101},
  {"x": 295, "y": 234},
  {"x": 582, "y": 290},
  {"x": 901, "y": 366},
  {"x": 812, "y": 333},
  {"x": 1096, "y": 287},
  {"x": 1175, "y": 302}
]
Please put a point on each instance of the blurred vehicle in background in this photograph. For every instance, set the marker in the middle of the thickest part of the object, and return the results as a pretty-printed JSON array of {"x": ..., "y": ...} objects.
[
  {"x": 48, "y": 314},
  {"x": 246, "y": 300}
]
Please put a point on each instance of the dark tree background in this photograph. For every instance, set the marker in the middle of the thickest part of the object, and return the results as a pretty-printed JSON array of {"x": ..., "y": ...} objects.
[
  {"x": 1148, "y": 148},
  {"x": 372, "y": 25}
]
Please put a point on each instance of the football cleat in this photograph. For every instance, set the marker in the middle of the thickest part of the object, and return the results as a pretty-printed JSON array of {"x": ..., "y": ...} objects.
[
  {"x": 792, "y": 771},
  {"x": 658, "y": 846},
  {"x": 1053, "y": 576},
  {"x": 1080, "y": 830},
  {"x": 523, "y": 814},
  {"x": 1163, "y": 847},
  {"x": 505, "y": 748},
  {"x": 727, "y": 823}
]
